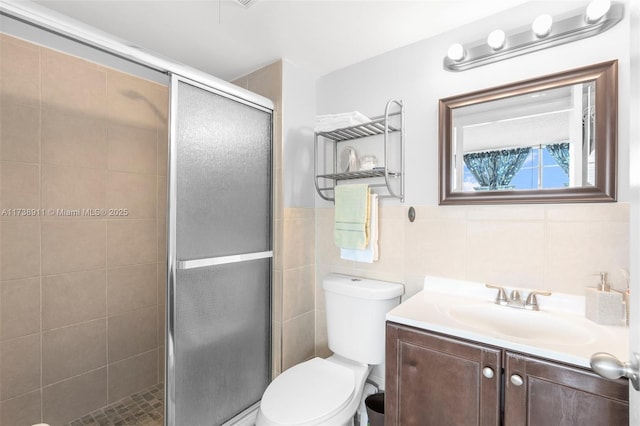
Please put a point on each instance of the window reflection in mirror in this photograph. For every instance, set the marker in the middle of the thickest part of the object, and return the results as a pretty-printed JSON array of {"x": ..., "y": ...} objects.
[
  {"x": 549, "y": 139},
  {"x": 540, "y": 140}
]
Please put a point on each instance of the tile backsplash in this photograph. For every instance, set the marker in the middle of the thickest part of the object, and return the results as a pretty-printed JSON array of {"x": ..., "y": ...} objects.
[{"x": 547, "y": 247}]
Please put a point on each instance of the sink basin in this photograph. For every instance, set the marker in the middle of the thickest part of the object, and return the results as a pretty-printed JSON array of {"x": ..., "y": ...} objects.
[{"x": 532, "y": 326}]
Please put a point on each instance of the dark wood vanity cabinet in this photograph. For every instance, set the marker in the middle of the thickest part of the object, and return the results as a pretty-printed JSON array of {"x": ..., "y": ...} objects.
[
  {"x": 541, "y": 393},
  {"x": 435, "y": 379}
]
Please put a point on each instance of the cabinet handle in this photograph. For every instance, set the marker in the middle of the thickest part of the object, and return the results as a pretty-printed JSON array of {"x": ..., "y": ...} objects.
[
  {"x": 487, "y": 372},
  {"x": 516, "y": 380}
]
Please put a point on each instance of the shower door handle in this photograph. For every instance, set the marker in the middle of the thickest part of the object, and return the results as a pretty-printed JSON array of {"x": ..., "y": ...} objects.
[{"x": 223, "y": 260}]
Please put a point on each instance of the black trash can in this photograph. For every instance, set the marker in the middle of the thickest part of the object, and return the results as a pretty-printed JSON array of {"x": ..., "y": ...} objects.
[{"x": 375, "y": 409}]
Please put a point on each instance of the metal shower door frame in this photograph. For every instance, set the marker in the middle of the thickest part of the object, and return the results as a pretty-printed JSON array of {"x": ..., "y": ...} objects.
[{"x": 173, "y": 264}]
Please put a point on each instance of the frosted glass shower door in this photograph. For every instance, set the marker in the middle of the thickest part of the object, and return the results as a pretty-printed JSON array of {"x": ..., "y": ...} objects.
[{"x": 218, "y": 320}]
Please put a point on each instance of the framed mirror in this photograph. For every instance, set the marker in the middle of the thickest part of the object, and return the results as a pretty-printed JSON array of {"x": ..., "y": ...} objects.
[{"x": 552, "y": 139}]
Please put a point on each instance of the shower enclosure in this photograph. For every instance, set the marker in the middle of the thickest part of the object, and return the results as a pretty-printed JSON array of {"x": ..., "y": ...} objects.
[
  {"x": 135, "y": 236},
  {"x": 219, "y": 329}
]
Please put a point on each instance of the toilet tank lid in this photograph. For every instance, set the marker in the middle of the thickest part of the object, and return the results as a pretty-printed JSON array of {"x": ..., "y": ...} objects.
[{"x": 363, "y": 288}]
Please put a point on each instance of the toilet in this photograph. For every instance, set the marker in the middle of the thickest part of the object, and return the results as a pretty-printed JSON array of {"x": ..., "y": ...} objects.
[{"x": 329, "y": 391}]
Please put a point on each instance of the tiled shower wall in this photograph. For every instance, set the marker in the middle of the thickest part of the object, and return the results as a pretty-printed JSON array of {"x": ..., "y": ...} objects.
[{"x": 81, "y": 297}]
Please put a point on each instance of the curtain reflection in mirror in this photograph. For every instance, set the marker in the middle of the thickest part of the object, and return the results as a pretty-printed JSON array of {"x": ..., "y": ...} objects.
[
  {"x": 560, "y": 153},
  {"x": 495, "y": 169}
]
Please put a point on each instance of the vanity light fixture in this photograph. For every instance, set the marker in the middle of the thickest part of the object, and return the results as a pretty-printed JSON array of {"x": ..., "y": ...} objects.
[
  {"x": 456, "y": 52},
  {"x": 597, "y": 9},
  {"x": 600, "y": 15},
  {"x": 541, "y": 26},
  {"x": 496, "y": 39}
]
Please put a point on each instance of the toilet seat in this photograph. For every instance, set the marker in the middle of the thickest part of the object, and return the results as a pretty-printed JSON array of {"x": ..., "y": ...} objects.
[{"x": 308, "y": 393}]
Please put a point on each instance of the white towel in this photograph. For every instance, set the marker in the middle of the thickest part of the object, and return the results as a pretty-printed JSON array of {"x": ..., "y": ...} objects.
[
  {"x": 370, "y": 253},
  {"x": 329, "y": 122}
]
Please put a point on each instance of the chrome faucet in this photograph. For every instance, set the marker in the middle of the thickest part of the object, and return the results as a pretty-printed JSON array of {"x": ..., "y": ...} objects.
[
  {"x": 501, "y": 298},
  {"x": 532, "y": 300},
  {"x": 515, "y": 299}
]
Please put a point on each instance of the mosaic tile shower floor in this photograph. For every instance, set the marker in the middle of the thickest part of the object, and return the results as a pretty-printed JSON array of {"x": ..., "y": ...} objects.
[{"x": 142, "y": 408}]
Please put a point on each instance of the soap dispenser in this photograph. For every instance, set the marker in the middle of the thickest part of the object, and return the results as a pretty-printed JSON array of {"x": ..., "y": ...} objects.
[{"x": 602, "y": 305}]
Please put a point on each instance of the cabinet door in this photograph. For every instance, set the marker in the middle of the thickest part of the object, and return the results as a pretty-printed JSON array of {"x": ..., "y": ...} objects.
[
  {"x": 432, "y": 379},
  {"x": 542, "y": 393}
]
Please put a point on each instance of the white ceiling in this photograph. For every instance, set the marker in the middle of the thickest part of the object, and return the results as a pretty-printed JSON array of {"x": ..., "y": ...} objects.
[{"x": 228, "y": 40}]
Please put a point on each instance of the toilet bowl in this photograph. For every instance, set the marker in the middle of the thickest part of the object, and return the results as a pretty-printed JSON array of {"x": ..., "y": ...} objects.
[
  {"x": 315, "y": 392},
  {"x": 328, "y": 391}
]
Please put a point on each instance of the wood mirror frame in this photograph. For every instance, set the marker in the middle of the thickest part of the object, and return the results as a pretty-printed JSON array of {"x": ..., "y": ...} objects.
[{"x": 605, "y": 76}]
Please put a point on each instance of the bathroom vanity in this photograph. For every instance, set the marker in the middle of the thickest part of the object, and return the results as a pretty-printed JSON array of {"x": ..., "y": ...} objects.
[{"x": 454, "y": 357}]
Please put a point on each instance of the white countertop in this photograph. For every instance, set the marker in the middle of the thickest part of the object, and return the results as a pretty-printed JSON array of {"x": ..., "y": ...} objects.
[{"x": 465, "y": 309}]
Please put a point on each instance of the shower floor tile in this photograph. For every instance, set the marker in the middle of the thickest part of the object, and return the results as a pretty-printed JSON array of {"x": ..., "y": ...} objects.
[{"x": 141, "y": 408}]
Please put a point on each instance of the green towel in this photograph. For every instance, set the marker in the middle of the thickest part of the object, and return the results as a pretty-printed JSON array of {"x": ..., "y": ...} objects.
[{"x": 352, "y": 216}]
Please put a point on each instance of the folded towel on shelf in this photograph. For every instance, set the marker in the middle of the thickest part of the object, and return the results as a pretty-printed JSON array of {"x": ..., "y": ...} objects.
[
  {"x": 329, "y": 122},
  {"x": 351, "y": 229},
  {"x": 370, "y": 253}
]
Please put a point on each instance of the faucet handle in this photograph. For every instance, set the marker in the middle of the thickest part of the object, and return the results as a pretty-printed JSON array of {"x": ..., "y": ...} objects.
[
  {"x": 532, "y": 301},
  {"x": 501, "y": 297}
]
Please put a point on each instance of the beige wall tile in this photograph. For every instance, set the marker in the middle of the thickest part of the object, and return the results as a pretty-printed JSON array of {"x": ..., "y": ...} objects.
[
  {"x": 502, "y": 212},
  {"x": 322, "y": 342},
  {"x": 20, "y": 312},
  {"x": 73, "y": 298},
  {"x": 163, "y": 194},
  {"x": 131, "y": 287},
  {"x": 618, "y": 212},
  {"x": 163, "y": 151},
  {"x": 298, "y": 248},
  {"x": 131, "y": 242},
  {"x": 132, "y": 375},
  {"x": 20, "y": 249},
  {"x": 577, "y": 250},
  {"x": 298, "y": 291},
  {"x": 134, "y": 192},
  {"x": 69, "y": 246},
  {"x": 73, "y": 84},
  {"x": 298, "y": 339},
  {"x": 19, "y": 132},
  {"x": 20, "y": 67},
  {"x": 136, "y": 102},
  {"x": 72, "y": 188},
  {"x": 162, "y": 240},
  {"x": 22, "y": 410},
  {"x": 506, "y": 252},
  {"x": 75, "y": 397},
  {"x": 267, "y": 81},
  {"x": 20, "y": 187},
  {"x": 161, "y": 336},
  {"x": 162, "y": 283},
  {"x": 276, "y": 350},
  {"x": 72, "y": 138},
  {"x": 276, "y": 294},
  {"x": 132, "y": 149},
  {"x": 20, "y": 360},
  {"x": 298, "y": 213},
  {"x": 161, "y": 364},
  {"x": 435, "y": 247},
  {"x": 132, "y": 333},
  {"x": 69, "y": 351}
]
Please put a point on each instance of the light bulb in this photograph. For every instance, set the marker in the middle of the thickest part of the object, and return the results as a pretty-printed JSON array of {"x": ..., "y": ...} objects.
[
  {"x": 597, "y": 9},
  {"x": 456, "y": 52},
  {"x": 496, "y": 39},
  {"x": 542, "y": 25}
]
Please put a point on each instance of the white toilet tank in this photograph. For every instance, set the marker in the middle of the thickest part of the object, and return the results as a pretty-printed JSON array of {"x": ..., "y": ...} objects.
[{"x": 356, "y": 310}]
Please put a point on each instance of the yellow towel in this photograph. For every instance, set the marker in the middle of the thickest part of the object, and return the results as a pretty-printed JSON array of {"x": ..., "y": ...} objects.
[{"x": 352, "y": 216}]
